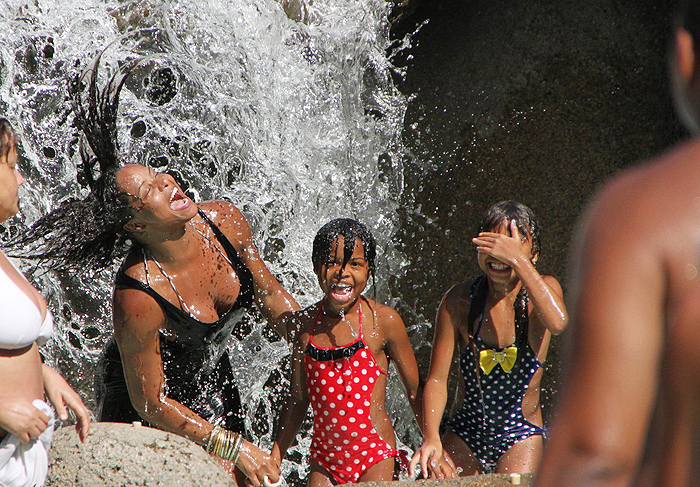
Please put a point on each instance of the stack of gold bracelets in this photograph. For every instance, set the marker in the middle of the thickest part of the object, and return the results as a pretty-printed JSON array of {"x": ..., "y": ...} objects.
[{"x": 224, "y": 444}]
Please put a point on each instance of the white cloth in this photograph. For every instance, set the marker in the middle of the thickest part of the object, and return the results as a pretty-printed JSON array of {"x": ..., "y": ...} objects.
[
  {"x": 26, "y": 464},
  {"x": 22, "y": 324}
]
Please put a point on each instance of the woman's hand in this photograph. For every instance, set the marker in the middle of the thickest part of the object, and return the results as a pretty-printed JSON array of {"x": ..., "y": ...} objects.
[
  {"x": 19, "y": 417},
  {"x": 62, "y": 396},
  {"x": 256, "y": 465},
  {"x": 507, "y": 249},
  {"x": 434, "y": 462}
]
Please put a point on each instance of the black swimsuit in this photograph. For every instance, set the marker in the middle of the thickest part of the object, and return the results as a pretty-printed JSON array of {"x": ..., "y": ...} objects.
[
  {"x": 196, "y": 366},
  {"x": 491, "y": 420}
]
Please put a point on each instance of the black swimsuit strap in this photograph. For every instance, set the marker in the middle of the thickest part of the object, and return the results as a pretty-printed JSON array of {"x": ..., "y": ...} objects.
[
  {"x": 324, "y": 355},
  {"x": 335, "y": 353},
  {"x": 245, "y": 297},
  {"x": 477, "y": 303}
]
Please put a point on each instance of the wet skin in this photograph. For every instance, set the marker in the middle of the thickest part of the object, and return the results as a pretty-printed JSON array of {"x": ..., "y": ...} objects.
[
  {"x": 167, "y": 223},
  {"x": 505, "y": 257},
  {"x": 25, "y": 378},
  {"x": 630, "y": 410},
  {"x": 384, "y": 333}
]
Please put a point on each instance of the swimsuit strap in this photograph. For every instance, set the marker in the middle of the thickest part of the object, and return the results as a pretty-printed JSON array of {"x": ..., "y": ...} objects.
[
  {"x": 478, "y": 325},
  {"x": 172, "y": 284},
  {"x": 477, "y": 302}
]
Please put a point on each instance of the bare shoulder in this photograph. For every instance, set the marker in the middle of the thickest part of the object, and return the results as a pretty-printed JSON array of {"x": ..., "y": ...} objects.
[
  {"x": 385, "y": 315},
  {"x": 135, "y": 314},
  {"x": 658, "y": 194},
  {"x": 133, "y": 265},
  {"x": 227, "y": 217},
  {"x": 456, "y": 300},
  {"x": 134, "y": 308}
]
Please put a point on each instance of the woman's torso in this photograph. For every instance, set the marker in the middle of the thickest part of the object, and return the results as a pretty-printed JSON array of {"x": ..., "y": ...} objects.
[
  {"x": 196, "y": 367},
  {"x": 27, "y": 321}
]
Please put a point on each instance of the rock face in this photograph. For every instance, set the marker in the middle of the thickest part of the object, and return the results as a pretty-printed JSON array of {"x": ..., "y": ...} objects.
[
  {"x": 124, "y": 455},
  {"x": 538, "y": 101}
]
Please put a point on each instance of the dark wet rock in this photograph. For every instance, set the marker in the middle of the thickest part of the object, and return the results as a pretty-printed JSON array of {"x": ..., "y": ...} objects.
[
  {"x": 161, "y": 86},
  {"x": 538, "y": 101},
  {"x": 138, "y": 129},
  {"x": 122, "y": 455}
]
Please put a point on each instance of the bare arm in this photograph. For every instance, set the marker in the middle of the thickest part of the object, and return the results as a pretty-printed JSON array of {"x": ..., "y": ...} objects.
[
  {"x": 400, "y": 351},
  {"x": 599, "y": 434},
  {"x": 137, "y": 323},
  {"x": 445, "y": 338},
  {"x": 544, "y": 291},
  {"x": 297, "y": 404},
  {"x": 273, "y": 301}
]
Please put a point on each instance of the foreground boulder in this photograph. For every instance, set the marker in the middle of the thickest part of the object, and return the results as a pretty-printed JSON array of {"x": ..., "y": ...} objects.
[
  {"x": 124, "y": 455},
  {"x": 491, "y": 480}
]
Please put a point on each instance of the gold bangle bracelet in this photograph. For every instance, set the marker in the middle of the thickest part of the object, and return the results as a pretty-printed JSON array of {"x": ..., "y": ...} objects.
[{"x": 214, "y": 431}]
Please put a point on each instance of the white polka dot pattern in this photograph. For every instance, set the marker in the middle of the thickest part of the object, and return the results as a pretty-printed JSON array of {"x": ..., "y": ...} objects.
[
  {"x": 350, "y": 431},
  {"x": 491, "y": 419}
]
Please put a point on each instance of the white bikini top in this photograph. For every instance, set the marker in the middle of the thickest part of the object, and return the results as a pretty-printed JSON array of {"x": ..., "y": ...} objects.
[{"x": 21, "y": 323}]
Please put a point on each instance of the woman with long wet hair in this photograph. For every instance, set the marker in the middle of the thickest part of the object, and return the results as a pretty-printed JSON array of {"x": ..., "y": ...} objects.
[
  {"x": 190, "y": 272},
  {"x": 26, "y": 421}
]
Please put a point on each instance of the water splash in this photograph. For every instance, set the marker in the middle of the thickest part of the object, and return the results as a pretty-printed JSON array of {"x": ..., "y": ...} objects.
[{"x": 295, "y": 123}]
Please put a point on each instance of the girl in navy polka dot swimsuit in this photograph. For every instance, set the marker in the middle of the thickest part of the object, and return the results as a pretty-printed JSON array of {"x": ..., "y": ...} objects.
[
  {"x": 500, "y": 325},
  {"x": 341, "y": 348}
]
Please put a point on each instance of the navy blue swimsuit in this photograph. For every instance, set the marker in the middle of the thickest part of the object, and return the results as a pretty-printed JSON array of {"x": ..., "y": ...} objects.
[
  {"x": 196, "y": 366},
  {"x": 491, "y": 419}
]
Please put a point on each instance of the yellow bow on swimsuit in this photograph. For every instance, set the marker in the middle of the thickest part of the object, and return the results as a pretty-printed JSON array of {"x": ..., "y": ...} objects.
[{"x": 490, "y": 358}]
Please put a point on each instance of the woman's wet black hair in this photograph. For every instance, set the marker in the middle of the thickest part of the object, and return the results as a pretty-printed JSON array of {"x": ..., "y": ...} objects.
[
  {"x": 350, "y": 230},
  {"x": 505, "y": 211},
  {"x": 86, "y": 234},
  {"x": 8, "y": 138}
]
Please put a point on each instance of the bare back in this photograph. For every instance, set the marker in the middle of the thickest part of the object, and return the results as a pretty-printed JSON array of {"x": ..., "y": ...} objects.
[{"x": 634, "y": 358}]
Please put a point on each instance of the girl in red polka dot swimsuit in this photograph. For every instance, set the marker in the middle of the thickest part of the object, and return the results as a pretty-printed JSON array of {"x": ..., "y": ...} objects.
[{"x": 342, "y": 346}]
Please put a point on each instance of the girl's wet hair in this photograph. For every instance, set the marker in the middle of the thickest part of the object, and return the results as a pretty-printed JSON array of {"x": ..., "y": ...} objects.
[
  {"x": 87, "y": 234},
  {"x": 505, "y": 211},
  {"x": 350, "y": 230}
]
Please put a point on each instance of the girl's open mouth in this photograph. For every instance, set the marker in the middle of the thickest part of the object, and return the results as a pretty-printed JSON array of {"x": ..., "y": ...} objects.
[
  {"x": 499, "y": 266},
  {"x": 341, "y": 292}
]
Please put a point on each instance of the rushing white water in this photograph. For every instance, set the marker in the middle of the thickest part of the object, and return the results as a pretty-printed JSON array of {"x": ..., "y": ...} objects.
[{"x": 294, "y": 122}]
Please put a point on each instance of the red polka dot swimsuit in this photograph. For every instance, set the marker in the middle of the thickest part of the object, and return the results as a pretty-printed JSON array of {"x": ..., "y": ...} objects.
[{"x": 340, "y": 381}]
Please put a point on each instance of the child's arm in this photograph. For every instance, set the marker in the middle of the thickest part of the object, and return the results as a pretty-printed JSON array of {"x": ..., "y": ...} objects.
[
  {"x": 544, "y": 291},
  {"x": 399, "y": 350},
  {"x": 435, "y": 391},
  {"x": 294, "y": 410}
]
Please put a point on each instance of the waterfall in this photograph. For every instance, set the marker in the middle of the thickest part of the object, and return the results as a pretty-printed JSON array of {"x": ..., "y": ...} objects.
[{"x": 295, "y": 122}]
